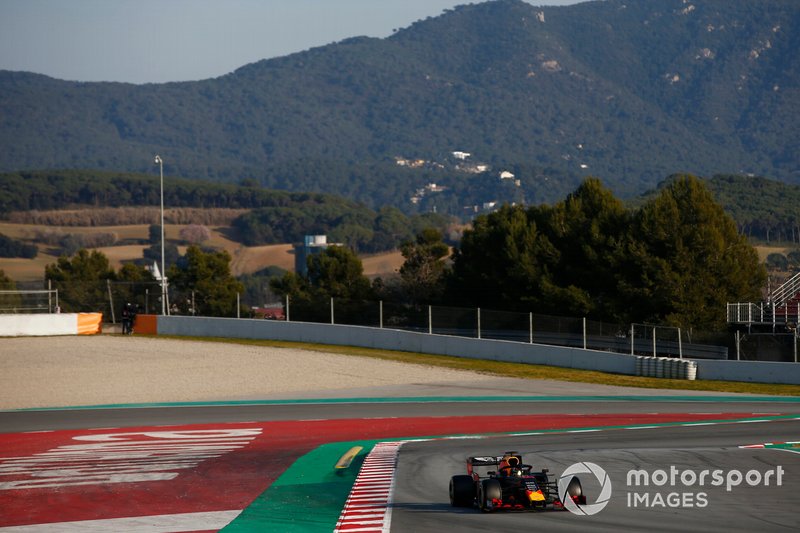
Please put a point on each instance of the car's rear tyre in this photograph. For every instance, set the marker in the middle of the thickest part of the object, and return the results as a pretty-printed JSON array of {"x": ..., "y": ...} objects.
[
  {"x": 488, "y": 491},
  {"x": 462, "y": 491}
]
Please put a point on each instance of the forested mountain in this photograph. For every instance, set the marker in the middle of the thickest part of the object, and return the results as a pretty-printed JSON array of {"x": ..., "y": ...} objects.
[{"x": 629, "y": 92}]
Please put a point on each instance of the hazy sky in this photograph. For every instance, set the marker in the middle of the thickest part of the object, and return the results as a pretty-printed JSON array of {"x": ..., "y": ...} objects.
[{"x": 141, "y": 41}]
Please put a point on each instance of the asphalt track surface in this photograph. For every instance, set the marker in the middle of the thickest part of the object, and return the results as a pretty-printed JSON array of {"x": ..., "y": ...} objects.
[
  {"x": 57, "y": 419},
  {"x": 421, "y": 504},
  {"x": 420, "y": 500}
]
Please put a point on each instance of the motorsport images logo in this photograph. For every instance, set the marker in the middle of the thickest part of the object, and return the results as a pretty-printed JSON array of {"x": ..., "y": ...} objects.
[
  {"x": 586, "y": 509},
  {"x": 664, "y": 479}
]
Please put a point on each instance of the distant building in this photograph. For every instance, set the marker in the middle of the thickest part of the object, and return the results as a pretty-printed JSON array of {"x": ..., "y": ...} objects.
[
  {"x": 413, "y": 163},
  {"x": 506, "y": 175},
  {"x": 461, "y": 155},
  {"x": 312, "y": 244}
]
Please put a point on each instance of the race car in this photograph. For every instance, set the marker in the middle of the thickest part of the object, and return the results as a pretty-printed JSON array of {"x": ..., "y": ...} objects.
[{"x": 513, "y": 485}]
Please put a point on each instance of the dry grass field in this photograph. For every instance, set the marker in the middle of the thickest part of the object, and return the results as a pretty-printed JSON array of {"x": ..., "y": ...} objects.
[
  {"x": 244, "y": 259},
  {"x": 764, "y": 251}
]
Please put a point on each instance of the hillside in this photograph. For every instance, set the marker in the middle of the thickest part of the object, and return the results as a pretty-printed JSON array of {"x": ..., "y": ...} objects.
[
  {"x": 244, "y": 259},
  {"x": 256, "y": 216},
  {"x": 765, "y": 210},
  {"x": 627, "y": 91}
]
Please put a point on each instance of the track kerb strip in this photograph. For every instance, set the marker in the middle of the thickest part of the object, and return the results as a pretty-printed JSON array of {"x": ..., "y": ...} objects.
[{"x": 367, "y": 508}]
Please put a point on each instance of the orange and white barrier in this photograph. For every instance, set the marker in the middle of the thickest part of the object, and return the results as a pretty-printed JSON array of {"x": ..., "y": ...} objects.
[
  {"x": 90, "y": 323},
  {"x": 50, "y": 324}
]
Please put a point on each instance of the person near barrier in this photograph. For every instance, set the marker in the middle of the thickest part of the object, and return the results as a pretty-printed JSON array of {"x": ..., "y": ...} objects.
[{"x": 128, "y": 316}]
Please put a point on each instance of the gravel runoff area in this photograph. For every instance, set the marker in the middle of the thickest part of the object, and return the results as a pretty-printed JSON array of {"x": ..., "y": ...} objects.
[
  {"x": 115, "y": 369},
  {"x": 112, "y": 369}
]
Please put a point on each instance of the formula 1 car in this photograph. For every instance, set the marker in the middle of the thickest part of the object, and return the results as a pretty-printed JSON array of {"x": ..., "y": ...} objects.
[{"x": 513, "y": 485}]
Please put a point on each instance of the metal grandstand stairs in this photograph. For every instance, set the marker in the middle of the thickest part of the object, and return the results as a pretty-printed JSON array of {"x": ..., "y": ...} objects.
[
  {"x": 781, "y": 308},
  {"x": 787, "y": 296},
  {"x": 768, "y": 331}
]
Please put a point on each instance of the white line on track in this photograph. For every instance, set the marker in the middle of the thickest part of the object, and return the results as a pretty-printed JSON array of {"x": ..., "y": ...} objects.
[{"x": 171, "y": 523}]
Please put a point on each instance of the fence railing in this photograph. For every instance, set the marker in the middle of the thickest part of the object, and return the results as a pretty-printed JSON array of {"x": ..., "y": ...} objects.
[
  {"x": 29, "y": 301},
  {"x": 110, "y": 297},
  {"x": 480, "y": 323},
  {"x": 763, "y": 313}
]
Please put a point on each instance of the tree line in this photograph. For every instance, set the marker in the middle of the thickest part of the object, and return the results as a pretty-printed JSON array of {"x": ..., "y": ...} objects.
[
  {"x": 677, "y": 259},
  {"x": 763, "y": 209},
  {"x": 260, "y": 216}
]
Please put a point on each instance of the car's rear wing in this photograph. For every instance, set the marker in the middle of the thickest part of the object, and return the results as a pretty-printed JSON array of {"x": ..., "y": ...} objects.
[
  {"x": 493, "y": 460},
  {"x": 484, "y": 461}
]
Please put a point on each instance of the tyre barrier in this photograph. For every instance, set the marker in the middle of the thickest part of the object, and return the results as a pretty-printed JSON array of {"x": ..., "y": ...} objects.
[{"x": 666, "y": 368}]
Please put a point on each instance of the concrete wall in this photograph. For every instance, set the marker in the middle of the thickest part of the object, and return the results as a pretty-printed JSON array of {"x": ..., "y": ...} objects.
[
  {"x": 498, "y": 350},
  {"x": 753, "y": 371},
  {"x": 406, "y": 341},
  {"x": 28, "y": 325},
  {"x": 38, "y": 325}
]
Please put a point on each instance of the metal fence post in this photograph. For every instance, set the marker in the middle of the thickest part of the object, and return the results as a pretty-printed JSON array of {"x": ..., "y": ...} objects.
[
  {"x": 479, "y": 322},
  {"x": 680, "y": 345},
  {"x": 111, "y": 301},
  {"x": 380, "y": 313},
  {"x": 287, "y": 308},
  {"x": 738, "y": 346},
  {"x": 165, "y": 295},
  {"x": 633, "y": 329},
  {"x": 655, "y": 353},
  {"x": 332, "y": 310},
  {"x": 530, "y": 328},
  {"x": 238, "y": 307},
  {"x": 430, "y": 321},
  {"x": 584, "y": 333}
]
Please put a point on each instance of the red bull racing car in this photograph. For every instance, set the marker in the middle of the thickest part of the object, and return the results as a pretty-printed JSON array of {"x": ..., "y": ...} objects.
[{"x": 512, "y": 485}]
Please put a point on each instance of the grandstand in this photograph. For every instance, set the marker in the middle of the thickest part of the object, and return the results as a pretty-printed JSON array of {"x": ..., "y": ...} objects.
[{"x": 768, "y": 328}]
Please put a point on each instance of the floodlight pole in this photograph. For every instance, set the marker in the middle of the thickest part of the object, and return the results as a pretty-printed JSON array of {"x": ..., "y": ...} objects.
[{"x": 160, "y": 164}]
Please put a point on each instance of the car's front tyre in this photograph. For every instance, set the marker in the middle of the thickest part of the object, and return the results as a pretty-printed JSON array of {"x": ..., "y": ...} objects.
[{"x": 488, "y": 492}]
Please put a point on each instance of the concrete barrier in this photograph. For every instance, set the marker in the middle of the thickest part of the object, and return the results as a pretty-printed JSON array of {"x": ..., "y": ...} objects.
[
  {"x": 406, "y": 341},
  {"x": 497, "y": 350},
  {"x": 50, "y": 324},
  {"x": 750, "y": 371}
]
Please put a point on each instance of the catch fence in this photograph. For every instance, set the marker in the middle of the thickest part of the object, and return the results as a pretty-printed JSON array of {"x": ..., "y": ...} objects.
[{"x": 109, "y": 297}]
